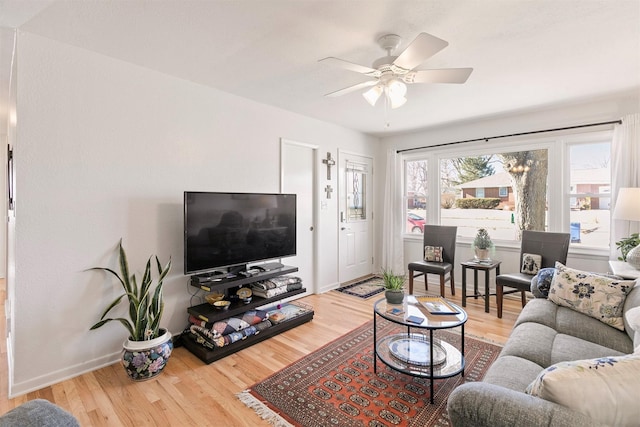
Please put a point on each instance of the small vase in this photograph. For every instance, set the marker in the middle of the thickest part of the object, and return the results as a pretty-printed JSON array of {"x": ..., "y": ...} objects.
[
  {"x": 143, "y": 360},
  {"x": 482, "y": 254},
  {"x": 633, "y": 257},
  {"x": 394, "y": 296}
]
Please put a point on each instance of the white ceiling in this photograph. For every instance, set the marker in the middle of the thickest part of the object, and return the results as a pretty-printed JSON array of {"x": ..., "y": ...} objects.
[{"x": 526, "y": 54}]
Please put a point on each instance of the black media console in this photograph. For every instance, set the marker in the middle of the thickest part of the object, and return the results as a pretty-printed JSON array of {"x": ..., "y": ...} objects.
[{"x": 226, "y": 283}]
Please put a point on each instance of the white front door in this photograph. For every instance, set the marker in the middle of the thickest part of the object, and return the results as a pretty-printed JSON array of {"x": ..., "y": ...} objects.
[
  {"x": 298, "y": 177},
  {"x": 355, "y": 184}
]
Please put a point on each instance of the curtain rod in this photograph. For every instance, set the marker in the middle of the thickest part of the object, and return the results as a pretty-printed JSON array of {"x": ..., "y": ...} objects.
[{"x": 513, "y": 134}]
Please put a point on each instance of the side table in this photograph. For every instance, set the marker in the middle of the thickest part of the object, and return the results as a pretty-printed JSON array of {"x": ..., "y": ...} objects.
[
  {"x": 476, "y": 266},
  {"x": 624, "y": 270}
]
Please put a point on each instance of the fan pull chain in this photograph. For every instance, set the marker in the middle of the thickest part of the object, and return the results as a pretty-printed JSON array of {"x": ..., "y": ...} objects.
[{"x": 386, "y": 110}]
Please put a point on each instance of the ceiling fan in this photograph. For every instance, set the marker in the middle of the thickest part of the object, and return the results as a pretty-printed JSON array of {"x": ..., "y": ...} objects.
[{"x": 391, "y": 73}]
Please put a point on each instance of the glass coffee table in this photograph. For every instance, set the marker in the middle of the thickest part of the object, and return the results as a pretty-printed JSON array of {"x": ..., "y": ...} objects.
[{"x": 415, "y": 351}]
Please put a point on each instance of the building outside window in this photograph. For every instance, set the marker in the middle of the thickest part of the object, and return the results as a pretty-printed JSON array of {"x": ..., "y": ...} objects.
[{"x": 589, "y": 195}]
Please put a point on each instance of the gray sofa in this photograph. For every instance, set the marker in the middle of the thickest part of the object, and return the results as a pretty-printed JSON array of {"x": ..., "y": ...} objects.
[
  {"x": 38, "y": 413},
  {"x": 544, "y": 334}
]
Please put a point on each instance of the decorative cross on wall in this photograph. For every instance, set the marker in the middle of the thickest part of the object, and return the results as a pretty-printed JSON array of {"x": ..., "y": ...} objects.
[
  {"x": 329, "y": 162},
  {"x": 328, "y": 190}
]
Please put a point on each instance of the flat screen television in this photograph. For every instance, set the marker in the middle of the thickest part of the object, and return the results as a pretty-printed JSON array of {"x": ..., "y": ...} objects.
[{"x": 227, "y": 230}]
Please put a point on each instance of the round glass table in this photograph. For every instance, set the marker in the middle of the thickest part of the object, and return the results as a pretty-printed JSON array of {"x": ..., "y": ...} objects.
[{"x": 415, "y": 351}]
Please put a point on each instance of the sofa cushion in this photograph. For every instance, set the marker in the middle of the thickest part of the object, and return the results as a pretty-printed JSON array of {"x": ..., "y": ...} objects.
[
  {"x": 594, "y": 295},
  {"x": 568, "y": 347},
  {"x": 544, "y": 346},
  {"x": 512, "y": 372},
  {"x": 570, "y": 322},
  {"x": 605, "y": 388}
]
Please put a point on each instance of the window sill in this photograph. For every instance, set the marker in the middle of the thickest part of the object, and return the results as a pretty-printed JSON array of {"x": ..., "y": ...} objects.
[{"x": 514, "y": 245}]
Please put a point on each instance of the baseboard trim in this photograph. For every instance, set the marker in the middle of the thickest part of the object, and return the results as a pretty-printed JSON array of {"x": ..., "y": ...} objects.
[{"x": 19, "y": 388}]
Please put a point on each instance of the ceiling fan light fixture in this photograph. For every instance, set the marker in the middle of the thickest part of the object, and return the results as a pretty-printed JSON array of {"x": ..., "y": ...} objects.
[
  {"x": 397, "y": 101},
  {"x": 373, "y": 94},
  {"x": 396, "y": 88}
]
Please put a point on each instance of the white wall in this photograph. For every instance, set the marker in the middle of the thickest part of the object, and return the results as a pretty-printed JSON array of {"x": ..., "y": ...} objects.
[
  {"x": 105, "y": 150},
  {"x": 608, "y": 108}
]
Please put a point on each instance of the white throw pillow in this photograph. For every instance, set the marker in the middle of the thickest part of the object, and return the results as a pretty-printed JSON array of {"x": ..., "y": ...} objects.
[
  {"x": 592, "y": 294},
  {"x": 605, "y": 389}
]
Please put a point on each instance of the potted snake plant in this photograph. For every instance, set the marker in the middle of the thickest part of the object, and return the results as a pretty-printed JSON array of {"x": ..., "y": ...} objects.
[{"x": 147, "y": 350}]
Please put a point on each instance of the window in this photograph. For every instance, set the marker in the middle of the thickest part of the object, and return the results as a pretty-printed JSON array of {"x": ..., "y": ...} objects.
[
  {"x": 415, "y": 195},
  {"x": 589, "y": 196},
  {"x": 566, "y": 180},
  {"x": 356, "y": 183}
]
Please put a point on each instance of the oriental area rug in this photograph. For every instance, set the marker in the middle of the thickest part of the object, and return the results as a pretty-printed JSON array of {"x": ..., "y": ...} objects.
[
  {"x": 364, "y": 289},
  {"x": 336, "y": 385}
]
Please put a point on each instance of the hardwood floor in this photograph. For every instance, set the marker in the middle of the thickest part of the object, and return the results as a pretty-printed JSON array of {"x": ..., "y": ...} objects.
[{"x": 190, "y": 392}]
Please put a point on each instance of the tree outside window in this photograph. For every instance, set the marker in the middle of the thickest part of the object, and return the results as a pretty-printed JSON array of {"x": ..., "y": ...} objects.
[{"x": 481, "y": 186}]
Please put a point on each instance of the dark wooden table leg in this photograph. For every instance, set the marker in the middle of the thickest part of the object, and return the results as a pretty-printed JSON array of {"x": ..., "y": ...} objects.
[
  {"x": 486, "y": 290},
  {"x": 464, "y": 286},
  {"x": 475, "y": 283}
]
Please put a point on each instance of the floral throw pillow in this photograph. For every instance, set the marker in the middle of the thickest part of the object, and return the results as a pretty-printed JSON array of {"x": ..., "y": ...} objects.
[
  {"x": 594, "y": 295},
  {"x": 605, "y": 389},
  {"x": 433, "y": 253}
]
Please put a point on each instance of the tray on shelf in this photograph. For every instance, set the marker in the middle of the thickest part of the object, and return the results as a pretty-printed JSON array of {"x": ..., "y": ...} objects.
[
  {"x": 436, "y": 305},
  {"x": 416, "y": 350}
]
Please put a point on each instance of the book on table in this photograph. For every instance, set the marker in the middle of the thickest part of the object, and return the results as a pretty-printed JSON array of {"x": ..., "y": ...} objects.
[{"x": 436, "y": 305}]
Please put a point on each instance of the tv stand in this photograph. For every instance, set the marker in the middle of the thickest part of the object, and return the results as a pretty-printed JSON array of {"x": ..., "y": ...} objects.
[
  {"x": 207, "y": 313},
  {"x": 269, "y": 266}
]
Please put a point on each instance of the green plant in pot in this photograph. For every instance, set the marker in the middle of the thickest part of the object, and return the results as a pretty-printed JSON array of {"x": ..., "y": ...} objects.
[
  {"x": 482, "y": 245},
  {"x": 146, "y": 351},
  {"x": 626, "y": 245},
  {"x": 393, "y": 286}
]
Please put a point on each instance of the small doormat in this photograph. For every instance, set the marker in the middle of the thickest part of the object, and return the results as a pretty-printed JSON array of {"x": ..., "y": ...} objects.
[
  {"x": 336, "y": 386},
  {"x": 365, "y": 288}
]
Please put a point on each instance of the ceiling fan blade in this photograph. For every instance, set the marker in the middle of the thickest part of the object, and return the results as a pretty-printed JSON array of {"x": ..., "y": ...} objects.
[
  {"x": 352, "y": 88},
  {"x": 419, "y": 50},
  {"x": 349, "y": 66},
  {"x": 443, "y": 75}
]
